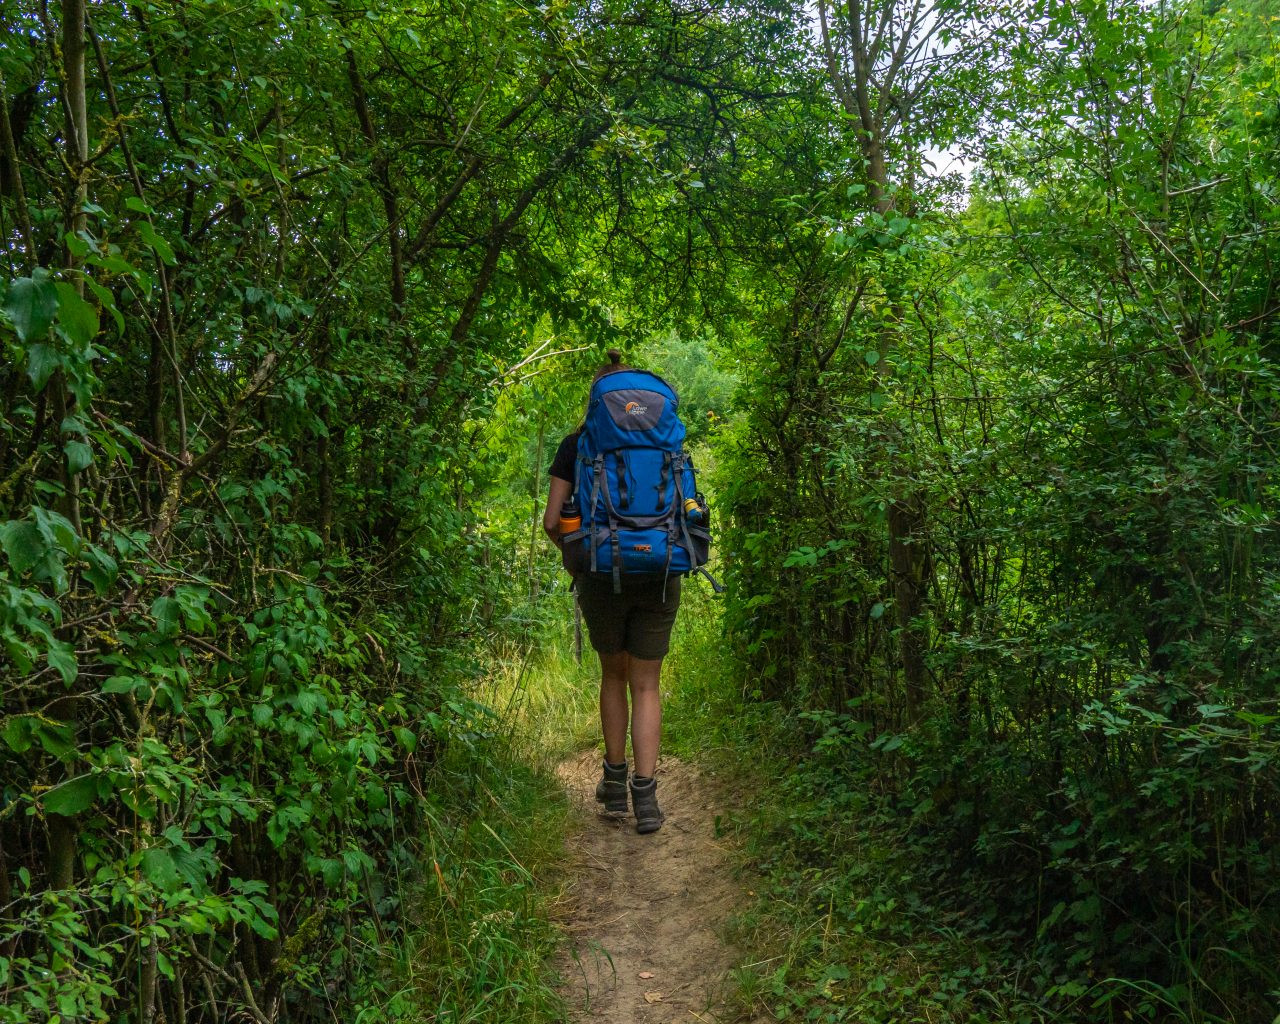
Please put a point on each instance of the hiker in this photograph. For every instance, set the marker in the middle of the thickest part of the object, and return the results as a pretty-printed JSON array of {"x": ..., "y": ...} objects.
[{"x": 627, "y": 559}]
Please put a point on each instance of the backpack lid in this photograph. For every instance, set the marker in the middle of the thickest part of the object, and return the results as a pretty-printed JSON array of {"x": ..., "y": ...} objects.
[{"x": 633, "y": 408}]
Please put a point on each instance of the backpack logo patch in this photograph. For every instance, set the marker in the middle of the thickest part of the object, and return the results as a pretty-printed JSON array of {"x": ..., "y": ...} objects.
[{"x": 635, "y": 409}]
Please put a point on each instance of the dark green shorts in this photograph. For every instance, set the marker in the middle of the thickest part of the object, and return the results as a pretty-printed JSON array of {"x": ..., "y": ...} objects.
[{"x": 637, "y": 621}]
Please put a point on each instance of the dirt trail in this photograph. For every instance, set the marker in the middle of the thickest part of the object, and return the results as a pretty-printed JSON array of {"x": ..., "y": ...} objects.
[{"x": 648, "y": 905}]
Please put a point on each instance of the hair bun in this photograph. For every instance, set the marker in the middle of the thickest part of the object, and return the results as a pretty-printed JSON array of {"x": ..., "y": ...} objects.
[{"x": 615, "y": 357}]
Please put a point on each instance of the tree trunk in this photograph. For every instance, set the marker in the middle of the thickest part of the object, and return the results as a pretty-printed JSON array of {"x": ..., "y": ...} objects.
[
  {"x": 13, "y": 176},
  {"x": 535, "y": 520},
  {"x": 73, "y": 54},
  {"x": 62, "y": 830},
  {"x": 865, "y": 92}
]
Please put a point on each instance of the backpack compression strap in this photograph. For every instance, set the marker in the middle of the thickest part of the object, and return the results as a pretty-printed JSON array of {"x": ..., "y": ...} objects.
[
  {"x": 671, "y": 523},
  {"x": 598, "y": 467},
  {"x": 615, "y": 544},
  {"x": 679, "y": 463},
  {"x": 616, "y": 550},
  {"x": 620, "y": 465}
]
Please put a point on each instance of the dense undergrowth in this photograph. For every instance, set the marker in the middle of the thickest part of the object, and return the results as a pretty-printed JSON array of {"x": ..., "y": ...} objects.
[
  {"x": 856, "y": 912},
  {"x": 845, "y": 921},
  {"x": 1001, "y": 524},
  {"x": 481, "y": 927}
]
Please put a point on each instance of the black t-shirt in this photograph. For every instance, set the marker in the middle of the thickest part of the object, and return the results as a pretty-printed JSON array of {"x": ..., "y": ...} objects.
[{"x": 566, "y": 456}]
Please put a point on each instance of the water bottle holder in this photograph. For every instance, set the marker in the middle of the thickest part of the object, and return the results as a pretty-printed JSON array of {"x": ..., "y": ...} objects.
[
  {"x": 573, "y": 552},
  {"x": 700, "y": 537}
]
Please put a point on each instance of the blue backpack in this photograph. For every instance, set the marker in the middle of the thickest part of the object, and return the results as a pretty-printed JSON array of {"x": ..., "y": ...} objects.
[{"x": 634, "y": 482}]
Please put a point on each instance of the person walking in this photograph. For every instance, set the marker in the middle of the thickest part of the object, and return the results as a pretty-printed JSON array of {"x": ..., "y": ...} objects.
[{"x": 630, "y": 601}]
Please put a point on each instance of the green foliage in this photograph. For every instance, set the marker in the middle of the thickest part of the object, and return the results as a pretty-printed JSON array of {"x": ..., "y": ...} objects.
[
  {"x": 704, "y": 388},
  {"x": 31, "y": 303},
  {"x": 288, "y": 348},
  {"x": 263, "y": 407},
  {"x": 1034, "y": 450}
]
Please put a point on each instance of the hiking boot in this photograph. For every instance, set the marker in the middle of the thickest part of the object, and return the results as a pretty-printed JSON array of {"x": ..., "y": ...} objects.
[
  {"x": 644, "y": 805},
  {"x": 611, "y": 791}
]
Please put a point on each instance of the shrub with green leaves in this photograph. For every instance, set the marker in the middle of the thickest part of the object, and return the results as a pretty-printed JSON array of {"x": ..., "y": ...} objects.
[{"x": 1004, "y": 497}]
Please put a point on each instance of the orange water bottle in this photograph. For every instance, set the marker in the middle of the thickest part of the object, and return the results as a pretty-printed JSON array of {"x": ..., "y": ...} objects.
[{"x": 570, "y": 517}]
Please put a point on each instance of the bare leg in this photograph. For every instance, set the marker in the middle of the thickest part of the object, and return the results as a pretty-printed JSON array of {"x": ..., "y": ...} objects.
[
  {"x": 646, "y": 713},
  {"x": 613, "y": 705}
]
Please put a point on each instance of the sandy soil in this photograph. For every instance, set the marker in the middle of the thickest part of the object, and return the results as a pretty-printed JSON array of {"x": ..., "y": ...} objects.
[{"x": 644, "y": 914}]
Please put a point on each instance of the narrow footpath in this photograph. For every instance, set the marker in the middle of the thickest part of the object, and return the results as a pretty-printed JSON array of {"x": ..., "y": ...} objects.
[{"x": 644, "y": 915}]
